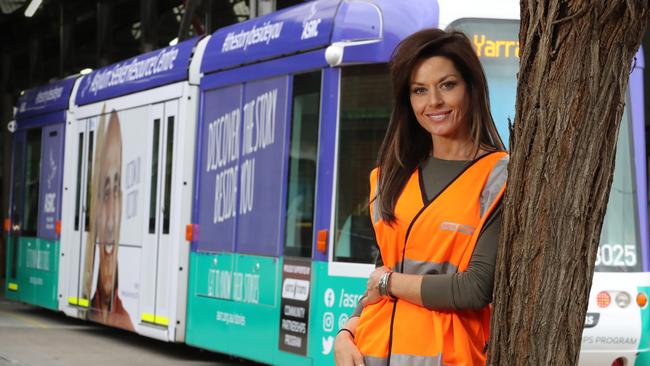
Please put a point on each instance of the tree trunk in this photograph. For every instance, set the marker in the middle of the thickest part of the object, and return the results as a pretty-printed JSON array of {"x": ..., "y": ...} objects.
[{"x": 575, "y": 61}]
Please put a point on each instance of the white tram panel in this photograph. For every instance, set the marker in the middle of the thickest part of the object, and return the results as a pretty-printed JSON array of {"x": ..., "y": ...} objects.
[{"x": 129, "y": 153}]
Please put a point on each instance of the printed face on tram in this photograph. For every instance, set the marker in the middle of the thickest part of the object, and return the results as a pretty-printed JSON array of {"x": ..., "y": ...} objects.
[
  {"x": 439, "y": 98},
  {"x": 110, "y": 205}
]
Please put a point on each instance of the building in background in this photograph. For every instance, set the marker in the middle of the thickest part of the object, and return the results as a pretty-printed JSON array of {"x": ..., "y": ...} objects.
[{"x": 63, "y": 38}]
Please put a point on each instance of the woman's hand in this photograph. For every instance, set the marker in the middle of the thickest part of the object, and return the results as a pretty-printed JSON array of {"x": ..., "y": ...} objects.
[
  {"x": 373, "y": 285},
  {"x": 346, "y": 352}
]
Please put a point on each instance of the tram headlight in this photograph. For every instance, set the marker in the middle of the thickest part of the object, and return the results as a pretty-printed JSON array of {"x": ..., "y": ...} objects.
[
  {"x": 334, "y": 54},
  {"x": 623, "y": 299}
]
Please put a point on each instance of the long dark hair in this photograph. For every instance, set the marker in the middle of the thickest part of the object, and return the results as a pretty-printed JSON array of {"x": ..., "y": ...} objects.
[{"x": 406, "y": 143}]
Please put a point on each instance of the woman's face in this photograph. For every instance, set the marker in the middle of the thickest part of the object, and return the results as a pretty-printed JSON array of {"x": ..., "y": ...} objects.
[{"x": 439, "y": 98}]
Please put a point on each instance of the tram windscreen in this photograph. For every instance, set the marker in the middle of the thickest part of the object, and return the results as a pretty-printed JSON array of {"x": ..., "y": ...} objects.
[
  {"x": 364, "y": 116},
  {"x": 619, "y": 249},
  {"x": 366, "y": 101},
  {"x": 495, "y": 42}
]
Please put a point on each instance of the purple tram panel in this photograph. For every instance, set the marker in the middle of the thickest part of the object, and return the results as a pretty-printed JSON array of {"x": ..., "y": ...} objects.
[
  {"x": 51, "y": 180},
  {"x": 242, "y": 168},
  {"x": 50, "y": 98},
  {"x": 218, "y": 169},
  {"x": 295, "y": 29},
  {"x": 160, "y": 67},
  {"x": 262, "y": 167}
]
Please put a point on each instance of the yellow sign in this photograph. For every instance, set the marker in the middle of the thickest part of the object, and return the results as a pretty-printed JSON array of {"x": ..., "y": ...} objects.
[{"x": 486, "y": 47}]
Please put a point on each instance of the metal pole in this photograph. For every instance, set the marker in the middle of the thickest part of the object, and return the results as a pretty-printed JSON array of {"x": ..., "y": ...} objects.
[
  {"x": 65, "y": 39},
  {"x": 104, "y": 34},
  {"x": 148, "y": 34},
  {"x": 183, "y": 29}
]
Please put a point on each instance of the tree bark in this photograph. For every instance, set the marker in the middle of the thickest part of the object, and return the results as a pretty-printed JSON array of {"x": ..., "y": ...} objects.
[{"x": 575, "y": 62}]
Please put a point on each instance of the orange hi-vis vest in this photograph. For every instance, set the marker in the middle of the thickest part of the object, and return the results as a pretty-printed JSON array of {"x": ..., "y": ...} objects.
[{"x": 435, "y": 237}]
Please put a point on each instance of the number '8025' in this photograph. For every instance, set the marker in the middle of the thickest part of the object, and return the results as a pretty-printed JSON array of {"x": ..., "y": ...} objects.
[{"x": 616, "y": 255}]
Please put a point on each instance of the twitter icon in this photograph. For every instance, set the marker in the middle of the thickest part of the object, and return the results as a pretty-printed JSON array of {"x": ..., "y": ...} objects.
[{"x": 328, "y": 343}]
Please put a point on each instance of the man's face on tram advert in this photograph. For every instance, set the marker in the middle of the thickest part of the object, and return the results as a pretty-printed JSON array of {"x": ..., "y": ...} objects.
[{"x": 109, "y": 206}]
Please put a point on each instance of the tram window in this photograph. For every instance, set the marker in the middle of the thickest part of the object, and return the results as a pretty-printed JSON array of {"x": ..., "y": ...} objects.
[
  {"x": 168, "y": 173},
  {"x": 301, "y": 189},
  {"x": 78, "y": 198},
  {"x": 91, "y": 141},
  {"x": 16, "y": 206},
  {"x": 154, "y": 177},
  {"x": 364, "y": 114},
  {"x": 18, "y": 175},
  {"x": 619, "y": 249},
  {"x": 32, "y": 170}
]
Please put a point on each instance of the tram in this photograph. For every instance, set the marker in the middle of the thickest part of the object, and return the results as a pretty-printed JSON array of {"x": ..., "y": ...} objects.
[
  {"x": 215, "y": 192},
  {"x": 294, "y": 106},
  {"x": 33, "y": 226}
]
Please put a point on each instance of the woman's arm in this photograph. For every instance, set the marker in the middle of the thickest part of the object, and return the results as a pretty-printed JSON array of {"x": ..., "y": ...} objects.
[
  {"x": 471, "y": 289},
  {"x": 346, "y": 353},
  {"x": 362, "y": 300},
  {"x": 402, "y": 286}
]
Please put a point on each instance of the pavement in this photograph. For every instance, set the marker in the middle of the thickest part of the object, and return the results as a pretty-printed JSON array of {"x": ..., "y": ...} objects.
[{"x": 32, "y": 336}]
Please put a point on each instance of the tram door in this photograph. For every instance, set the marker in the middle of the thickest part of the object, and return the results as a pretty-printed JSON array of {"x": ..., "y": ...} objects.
[
  {"x": 15, "y": 211},
  {"x": 156, "y": 256},
  {"x": 80, "y": 249}
]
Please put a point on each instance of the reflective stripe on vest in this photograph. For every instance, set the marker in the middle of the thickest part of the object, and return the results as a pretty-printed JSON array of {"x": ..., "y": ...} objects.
[
  {"x": 436, "y": 237},
  {"x": 404, "y": 360}
]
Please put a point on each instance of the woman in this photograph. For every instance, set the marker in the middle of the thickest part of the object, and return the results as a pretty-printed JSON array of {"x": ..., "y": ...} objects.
[{"x": 435, "y": 211}]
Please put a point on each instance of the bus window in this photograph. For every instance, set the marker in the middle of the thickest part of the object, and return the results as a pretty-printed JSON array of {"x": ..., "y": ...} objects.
[
  {"x": 302, "y": 165},
  {"x": 32, "y": 169},
  {"x": 619, "y": 249},
  {"x": 366, "y": 103}
]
